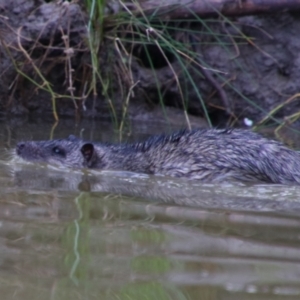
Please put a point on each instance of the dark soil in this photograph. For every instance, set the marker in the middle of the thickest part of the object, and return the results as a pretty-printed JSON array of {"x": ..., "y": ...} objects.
[{"x": 256, "y": 75}]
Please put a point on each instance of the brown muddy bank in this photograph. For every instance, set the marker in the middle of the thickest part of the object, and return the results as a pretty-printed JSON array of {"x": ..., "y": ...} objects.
[{"x": 253, "y": 59}]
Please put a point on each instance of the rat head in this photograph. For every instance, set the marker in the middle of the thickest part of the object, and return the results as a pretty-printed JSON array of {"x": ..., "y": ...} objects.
[{"x": 60, "y": 152}]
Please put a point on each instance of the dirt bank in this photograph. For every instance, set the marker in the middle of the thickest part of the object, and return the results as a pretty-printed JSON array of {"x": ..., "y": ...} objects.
[{"x": 253, "y": 60}]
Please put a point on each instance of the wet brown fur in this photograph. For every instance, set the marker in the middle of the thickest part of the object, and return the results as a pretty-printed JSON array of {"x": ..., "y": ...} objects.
[{"x": 208, "y": 155}]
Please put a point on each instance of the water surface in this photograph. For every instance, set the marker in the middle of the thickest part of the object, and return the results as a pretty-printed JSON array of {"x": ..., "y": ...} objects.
[{"x": 112, "y": 235}]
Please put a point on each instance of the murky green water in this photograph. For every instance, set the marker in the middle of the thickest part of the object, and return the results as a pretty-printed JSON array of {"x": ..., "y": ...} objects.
[{"x": 114, "y": 235}]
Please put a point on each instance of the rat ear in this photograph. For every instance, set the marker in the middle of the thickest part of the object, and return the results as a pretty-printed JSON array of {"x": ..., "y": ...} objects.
[{"x": 89, "y": 154}]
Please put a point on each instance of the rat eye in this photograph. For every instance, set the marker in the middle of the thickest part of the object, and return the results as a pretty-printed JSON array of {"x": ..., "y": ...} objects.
[{"x": 58, "y": 151}]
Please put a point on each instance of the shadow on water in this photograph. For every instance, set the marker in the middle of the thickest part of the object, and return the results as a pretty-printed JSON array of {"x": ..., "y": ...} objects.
[{"x": 112, "y": 235}]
